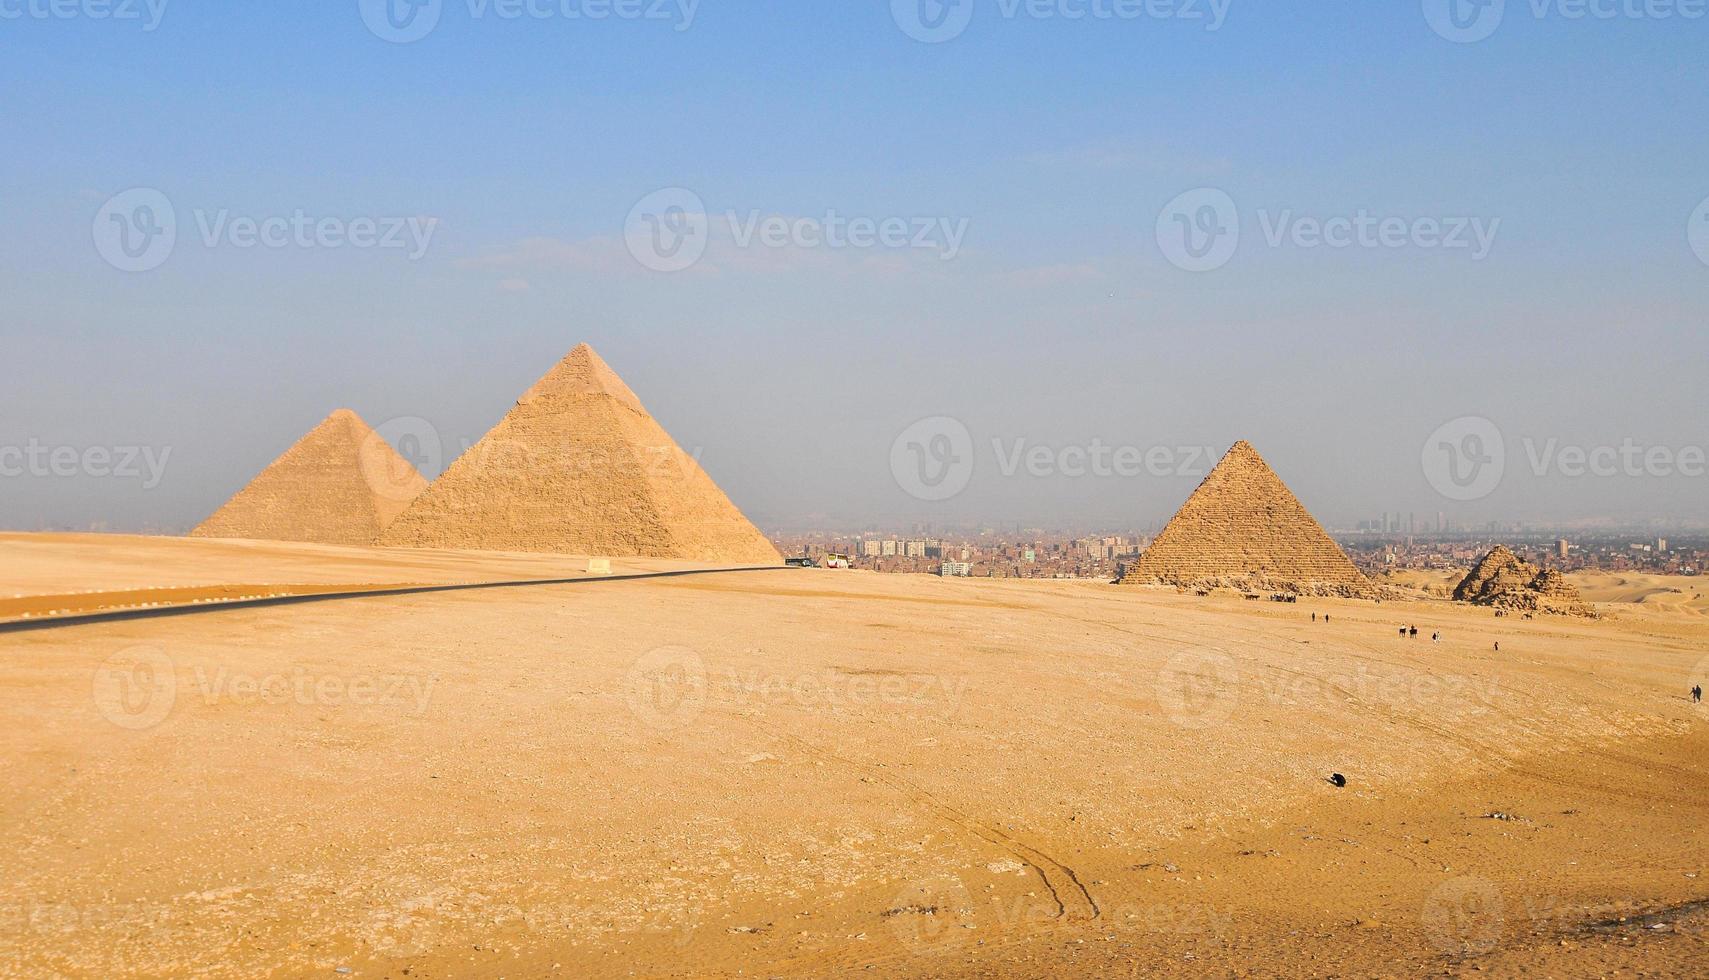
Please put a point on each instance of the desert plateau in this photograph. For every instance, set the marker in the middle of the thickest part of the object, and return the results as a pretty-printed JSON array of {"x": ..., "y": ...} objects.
[{"x": 830, "y": 773}]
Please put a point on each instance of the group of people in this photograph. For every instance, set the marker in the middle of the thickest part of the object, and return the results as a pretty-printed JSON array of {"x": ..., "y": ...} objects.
[{"x": 1435, "y": 637}]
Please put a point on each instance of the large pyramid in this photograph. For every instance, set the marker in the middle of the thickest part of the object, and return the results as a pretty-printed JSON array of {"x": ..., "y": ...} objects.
[
  {"x": 1244, "y": 528},
  {"x": 579, "y": 467},
  {"x": 340, "y": 484}
]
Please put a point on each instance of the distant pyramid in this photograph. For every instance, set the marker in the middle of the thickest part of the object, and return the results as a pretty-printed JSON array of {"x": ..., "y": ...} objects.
[
  {"x": 1503, "y": 579},
  {"x": 340, "y": 484},
  {"x": 1244, "y": 528},
  {"x": 579, "y": 467}
]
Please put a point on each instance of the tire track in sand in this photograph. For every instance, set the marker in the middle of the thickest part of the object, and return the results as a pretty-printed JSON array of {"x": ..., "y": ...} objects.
[{"x": 1073, "y": 900}]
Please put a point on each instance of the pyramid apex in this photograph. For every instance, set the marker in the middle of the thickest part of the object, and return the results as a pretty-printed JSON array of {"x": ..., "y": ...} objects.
[
  {"x": 1243, "y": 449},
  {"x": 582, "y": 372}
]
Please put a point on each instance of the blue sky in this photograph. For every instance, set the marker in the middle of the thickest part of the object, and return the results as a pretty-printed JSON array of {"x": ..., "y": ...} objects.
[{"x": 1061, "y": 321}]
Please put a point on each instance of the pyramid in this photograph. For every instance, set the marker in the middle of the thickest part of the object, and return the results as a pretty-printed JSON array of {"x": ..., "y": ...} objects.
[
  {"x": 340, "y": 484},
  {"x": 579, "y": 467},
  {"x": 1504, "y": 580},
  {"x": 1244, "y": 528}
]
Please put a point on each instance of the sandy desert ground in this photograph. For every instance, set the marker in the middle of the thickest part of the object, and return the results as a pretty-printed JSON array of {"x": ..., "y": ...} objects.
[{"x": 806, "y": 772}]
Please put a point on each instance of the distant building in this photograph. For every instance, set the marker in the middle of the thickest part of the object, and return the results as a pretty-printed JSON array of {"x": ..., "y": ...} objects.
[
  {"x": 887, "y": 548},
  {"x": 1563, "y": 547},
  {"x": 955, "y": 569},
  {"x": 1661, "y": 544}
]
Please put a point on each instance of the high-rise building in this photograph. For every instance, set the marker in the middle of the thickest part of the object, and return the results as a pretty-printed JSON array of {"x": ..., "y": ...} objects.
[{"x": 1563, "y": 547}]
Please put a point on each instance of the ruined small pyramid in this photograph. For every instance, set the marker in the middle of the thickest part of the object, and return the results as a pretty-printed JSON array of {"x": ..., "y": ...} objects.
[
  {"x": 578, "y": 467},
  {"x": 340, "y": 484},
  {"x": 1504, "y": 580},
  {"x": 1243, "y": 528}
]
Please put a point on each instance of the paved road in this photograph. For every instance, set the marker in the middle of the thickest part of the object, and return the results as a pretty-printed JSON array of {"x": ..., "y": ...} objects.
[{"x": 161, "y": 612}]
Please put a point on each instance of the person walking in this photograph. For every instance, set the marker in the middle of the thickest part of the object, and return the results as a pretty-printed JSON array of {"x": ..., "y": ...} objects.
[{"x": 1697, "y": 694}]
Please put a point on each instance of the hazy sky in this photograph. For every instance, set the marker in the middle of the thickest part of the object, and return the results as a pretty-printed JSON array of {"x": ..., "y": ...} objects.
[{"x": 1542, "y": 189}]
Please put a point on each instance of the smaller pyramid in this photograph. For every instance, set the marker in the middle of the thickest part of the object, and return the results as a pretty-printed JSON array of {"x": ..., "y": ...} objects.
[
  {"x": 1243, "y": 528},
  {"x": 579, "y": 467},
  {"x": 1504, "y": 580},
  {"x": 340, "y": 484}
]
